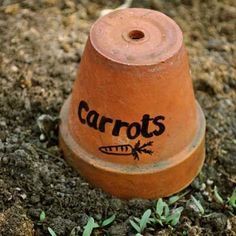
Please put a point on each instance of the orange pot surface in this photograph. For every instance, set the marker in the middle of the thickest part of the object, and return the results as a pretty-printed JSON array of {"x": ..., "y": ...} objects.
[{"x": 132, "y": 125}]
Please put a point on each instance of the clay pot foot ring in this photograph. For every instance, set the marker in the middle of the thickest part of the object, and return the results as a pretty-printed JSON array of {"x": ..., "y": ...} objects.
[{"x": 130, "y": 181}]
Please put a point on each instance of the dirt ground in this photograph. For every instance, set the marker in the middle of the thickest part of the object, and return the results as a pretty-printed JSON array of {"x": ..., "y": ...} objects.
[{"x": 41, "y": 43}]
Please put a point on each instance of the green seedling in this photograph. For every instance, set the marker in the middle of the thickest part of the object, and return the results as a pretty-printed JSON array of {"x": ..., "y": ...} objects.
[
  {"x": 198, "y": 205},
  {"x": 108, "y": 221},
  {"x": 173, "y": 199},
  {"x": 51, "y": 231},
  {"x": 217, "y": 196},
  {"x": 165, "y": 216},
  {"x": 231, "y": 203},
  {"x": 91, "y": 224},
  {"x": 42, "y": 216},
  {"x": 74, "y": 231},
  {"x": 173, "y": 218},
  {"x": 89, "y": 227},
  {"x": 176, "y": 198},
  {"x": 140, "y": 225},
  {"x": 162, "y": 211},
  {"x": 232, "y": 199}
]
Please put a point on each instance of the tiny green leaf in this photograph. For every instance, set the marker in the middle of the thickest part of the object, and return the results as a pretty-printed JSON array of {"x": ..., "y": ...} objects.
[
  {"x": 74, "y": 231},
  {"x": 173, "y": 199},
  {"x": 159, "y": 221},
  {"x": 218, "y": 198},
  {"x": 166, "y": 210},
  {"x": 159, "y": 207},
  {"x": 176, "y": 218},
  {"x": 151, "y": 220},
  {"x": 173, "y": 219},
  {"x": 198, "y": 204},
  {"x": 144, "y": 220},
  {"x": 88, "y": 229},
  {"x": 51, "y": 231},
  {"x": 232, "y": 199},
  {"x": 135, "y": 226},
  {"x": 42, "y": 216},
  {"x": 108, "y": 221}
]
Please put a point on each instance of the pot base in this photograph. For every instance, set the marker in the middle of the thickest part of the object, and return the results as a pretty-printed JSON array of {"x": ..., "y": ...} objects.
[{"x": 148, "y": 181}]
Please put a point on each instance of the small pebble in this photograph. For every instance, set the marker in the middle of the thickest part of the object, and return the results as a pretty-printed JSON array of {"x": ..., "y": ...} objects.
[
  {"x": 209, "y": 182},
  {"x": 205, "y": 193},
  {"x": 218, "y": 221},
  {"x": 116, "y": 204},
  {"x": 21, "y": 153},
  {"x": 23, "y": 196},
  {"x": 3, "y": 136},
  {"x": 12, "y": 9},
  {"x": 5, "y": 160},
  {"x": 3, "y": 123},
  {"x": 35, "y": 199},
  {"x": 214, "y": 44},
  {"x": 42, "y": 137},
  {"x": 203, "y": 187},
  {"x": 118, "y": 230},
  {"x": 14, "y": 68}
]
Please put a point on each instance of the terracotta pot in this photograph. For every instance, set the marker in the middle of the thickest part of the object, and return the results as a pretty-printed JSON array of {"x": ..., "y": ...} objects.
[{"x": 132, "y": 125}]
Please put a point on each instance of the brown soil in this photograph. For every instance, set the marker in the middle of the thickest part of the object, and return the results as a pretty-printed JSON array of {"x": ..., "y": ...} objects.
[{"x": 41, "y": 44}]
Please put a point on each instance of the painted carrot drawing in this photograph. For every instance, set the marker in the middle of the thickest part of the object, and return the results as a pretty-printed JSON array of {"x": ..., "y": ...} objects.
[{"x": 127, "y": 149}]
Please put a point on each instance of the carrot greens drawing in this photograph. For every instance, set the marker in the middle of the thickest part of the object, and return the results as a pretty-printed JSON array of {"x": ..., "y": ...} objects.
[{"x": 127, "y": 149}]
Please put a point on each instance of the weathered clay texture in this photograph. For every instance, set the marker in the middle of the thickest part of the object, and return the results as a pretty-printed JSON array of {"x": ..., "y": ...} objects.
[{"x": 132, "y": 125}]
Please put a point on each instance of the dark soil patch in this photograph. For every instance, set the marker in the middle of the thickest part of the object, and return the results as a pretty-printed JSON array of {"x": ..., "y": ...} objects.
[{"x": 41, "y": 44}]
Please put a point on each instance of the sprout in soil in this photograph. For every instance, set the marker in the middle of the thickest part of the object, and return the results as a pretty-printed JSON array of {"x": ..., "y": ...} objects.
[
  {"x": 140, "y": 225},
  {"x": 165, "y": 216},
  {"x": 91, "y": 224}
]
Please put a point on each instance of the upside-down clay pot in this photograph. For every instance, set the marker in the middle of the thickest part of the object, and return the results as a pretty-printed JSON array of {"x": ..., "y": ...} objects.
[{"x": 132, "y": 125}]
